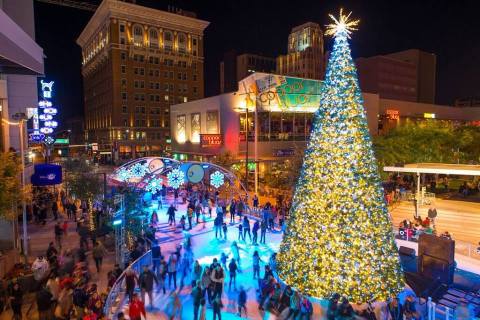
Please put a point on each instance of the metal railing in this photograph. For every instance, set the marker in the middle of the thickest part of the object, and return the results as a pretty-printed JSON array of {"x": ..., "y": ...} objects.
[
  {"x": 115, "y": 297},
  {"x": 438, "y": 311}
]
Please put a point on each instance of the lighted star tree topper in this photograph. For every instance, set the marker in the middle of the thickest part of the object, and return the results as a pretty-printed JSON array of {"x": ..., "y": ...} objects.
[{"x": 339, "y": 237}]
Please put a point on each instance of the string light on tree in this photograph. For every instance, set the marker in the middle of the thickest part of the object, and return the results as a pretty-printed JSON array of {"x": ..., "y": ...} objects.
[
  {"x": 175, "y": 178},
  {"x": 217, "y": 179},
  {"x": 339, "y": 237}
]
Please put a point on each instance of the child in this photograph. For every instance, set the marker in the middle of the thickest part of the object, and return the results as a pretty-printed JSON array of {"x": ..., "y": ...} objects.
[
  {"x": 223, "y": 260},
  {"x": 242, "y": 301},
  {"x": 240, "y": 232},
  {"x": 224, "y": 228},
  {"x": 182, "y": 222}
]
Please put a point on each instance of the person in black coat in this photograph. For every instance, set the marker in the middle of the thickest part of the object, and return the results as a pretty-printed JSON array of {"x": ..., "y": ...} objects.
[
  {"x": 44, "y": 304},
  {"x": 332, "y": 306}
]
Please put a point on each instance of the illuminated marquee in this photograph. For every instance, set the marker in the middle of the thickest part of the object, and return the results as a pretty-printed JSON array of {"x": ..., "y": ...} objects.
[{"x": 211, "y": 140}]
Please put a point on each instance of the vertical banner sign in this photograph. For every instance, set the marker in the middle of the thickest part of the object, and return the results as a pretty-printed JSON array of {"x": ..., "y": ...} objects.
[{"x": 45, "y": 114}]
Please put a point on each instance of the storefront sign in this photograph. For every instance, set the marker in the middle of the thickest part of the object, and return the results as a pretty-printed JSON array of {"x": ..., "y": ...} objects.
[
  {"x": 283, "y": 152},
  {"x": 429, "y": 115},
  {"x": 392, "y": 114},
  {"x": 211, "y": 140}
]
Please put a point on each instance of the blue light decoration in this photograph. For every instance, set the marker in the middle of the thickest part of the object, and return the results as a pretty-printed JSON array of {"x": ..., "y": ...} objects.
[
  {"x": 138, "y": 170},
  {"x": 217, "y": 179},
  {"x": 45, "y": 113},
  {"x": 175, "y": 178},
  {"x": 117, "y": 222},
  {"x": 154, "y": 185},
  {"x": 123, "y": 174}
]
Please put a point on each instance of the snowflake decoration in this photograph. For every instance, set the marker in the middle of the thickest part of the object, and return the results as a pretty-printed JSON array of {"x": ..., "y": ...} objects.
[
  {"x": 123, "y": 174},
  {"x": 217, "y": 179},
  {"x": 154, "y": 185},
  {"x": 138, "y": 170},
  {"x": 175, "y": 178}
]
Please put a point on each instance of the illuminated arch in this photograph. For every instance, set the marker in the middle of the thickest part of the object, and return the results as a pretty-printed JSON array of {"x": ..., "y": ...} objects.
[{"x": 141, "y": 172}]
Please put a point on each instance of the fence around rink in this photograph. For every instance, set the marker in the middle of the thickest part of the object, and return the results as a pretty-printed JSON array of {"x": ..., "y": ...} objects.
[{"x": 116, "y": 296}]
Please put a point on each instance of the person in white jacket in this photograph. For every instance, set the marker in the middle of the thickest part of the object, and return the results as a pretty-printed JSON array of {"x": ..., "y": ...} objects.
[{"x": 40, "y": 268}]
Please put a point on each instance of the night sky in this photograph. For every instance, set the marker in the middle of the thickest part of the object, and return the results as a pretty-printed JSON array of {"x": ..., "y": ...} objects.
[{"x": 450, "y": 29}]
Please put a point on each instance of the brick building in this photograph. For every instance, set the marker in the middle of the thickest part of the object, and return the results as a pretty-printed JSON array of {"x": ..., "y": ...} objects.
[{"x": 137, "y": 62}]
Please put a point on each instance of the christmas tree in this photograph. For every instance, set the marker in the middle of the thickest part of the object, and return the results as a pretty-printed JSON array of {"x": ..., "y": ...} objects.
[{"x": 339, "y": 236}]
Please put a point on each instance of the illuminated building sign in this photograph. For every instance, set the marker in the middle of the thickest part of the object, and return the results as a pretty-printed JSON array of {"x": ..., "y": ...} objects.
[
  {"x": 429, "y": 115},
  {"x": 45, "y": 114},
  {"x": 281, "y": 93},
  {"x": 211, "y": 140},
  {"x": 62, "y": 141},
  {"x": 392, "y": 114},
  {"x": 46, "y": 89}
]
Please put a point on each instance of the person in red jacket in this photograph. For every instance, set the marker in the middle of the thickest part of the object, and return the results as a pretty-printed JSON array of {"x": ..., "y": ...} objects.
[{"x": 136, "y": 309}]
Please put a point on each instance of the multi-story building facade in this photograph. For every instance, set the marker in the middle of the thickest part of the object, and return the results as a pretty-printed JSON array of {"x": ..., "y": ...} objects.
[
  {"x": 305, "y": 57},
  {"x": 406, "y": 75},
  {"x": 137, "y": 62},
  {"x": 235, "y": 67}
]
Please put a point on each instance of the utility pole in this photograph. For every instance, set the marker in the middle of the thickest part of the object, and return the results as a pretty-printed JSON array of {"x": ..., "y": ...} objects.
[{"x": 21, "y": 118}]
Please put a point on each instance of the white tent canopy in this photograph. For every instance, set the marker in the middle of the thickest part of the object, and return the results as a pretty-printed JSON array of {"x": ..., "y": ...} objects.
[{"x": 437, "y": 168}]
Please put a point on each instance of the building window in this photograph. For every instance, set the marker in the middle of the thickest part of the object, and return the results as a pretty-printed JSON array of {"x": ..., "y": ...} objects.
[
  {"x": 170, "y": 74},
  {"x": 123, "y": 55},
  {"x": 137, "y": 35},
  {"x": 194, "y": 77},
  {"x": 122, "y": 40},
  {"x": 194, "y": 89},
  {"x": 195, "y": 128},
  {"x": 181, "y": 134},
  {"x": 179, "y": 76},
  {"x": 124, "y": 96},
  {"x": 194, "y": 42},
  {"x": 185, "y": 99},
  {"x": 168, "y": 40},
  {"x": 166, "y": 98},
  {"x": 212, "y": 122},
  {"x": 153, "y": 38},
  {"x": 122, "y": 28},
  {"x": 182, "y": 42},
  {"x": 124, "y": 69},
  {"x": 124, "y": 82},
  {"x": 184, "y": 76},
  {"x": 124, "y": 109},
  {"x": 125, "y": 122}
]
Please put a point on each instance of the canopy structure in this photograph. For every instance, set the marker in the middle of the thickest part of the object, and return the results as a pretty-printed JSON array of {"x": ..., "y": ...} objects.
[{"x": 435, "y": 168}]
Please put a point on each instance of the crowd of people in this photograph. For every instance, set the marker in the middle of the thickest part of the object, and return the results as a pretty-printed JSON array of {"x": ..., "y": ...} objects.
[{"x": 62, "y": 286}]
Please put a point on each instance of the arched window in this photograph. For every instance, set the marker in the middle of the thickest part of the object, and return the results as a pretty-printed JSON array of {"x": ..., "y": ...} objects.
[
  {"x": 182, "y": 43},
  {"x": 137, "y": 35},
  {"x": 168, "y": 40},
  {"x": 153, "y": 38}
]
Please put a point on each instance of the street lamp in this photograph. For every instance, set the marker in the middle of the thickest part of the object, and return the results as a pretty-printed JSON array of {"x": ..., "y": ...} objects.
[{"x": 21, "y": 117}]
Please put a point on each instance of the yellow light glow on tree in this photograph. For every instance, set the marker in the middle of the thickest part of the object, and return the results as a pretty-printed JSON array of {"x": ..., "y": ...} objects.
[{"x": 339, "y": 237}]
